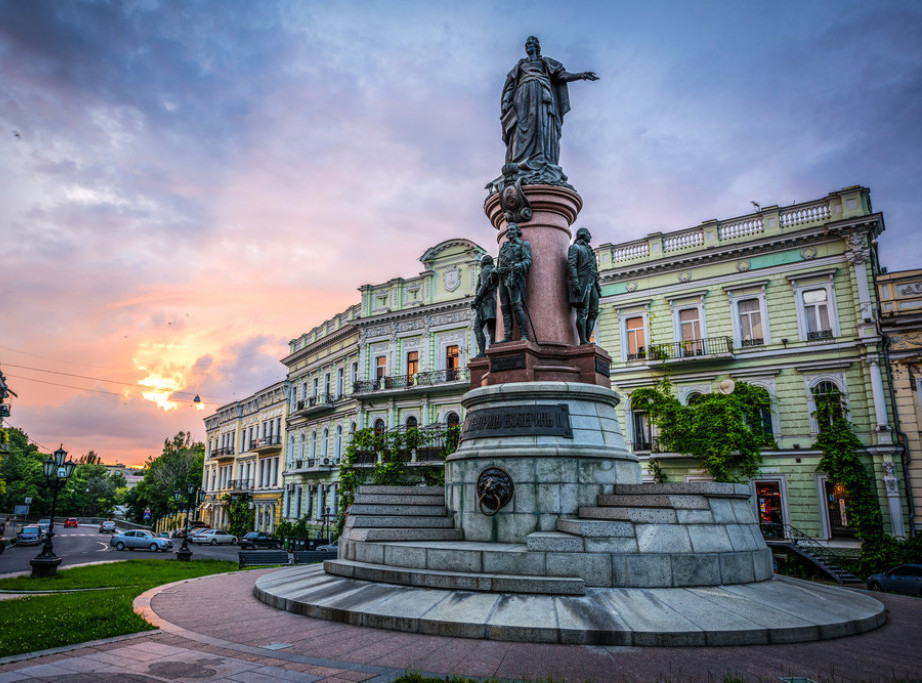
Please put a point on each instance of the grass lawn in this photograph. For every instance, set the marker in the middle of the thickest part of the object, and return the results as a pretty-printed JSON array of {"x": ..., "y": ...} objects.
[{"x": 46, "y": 621}]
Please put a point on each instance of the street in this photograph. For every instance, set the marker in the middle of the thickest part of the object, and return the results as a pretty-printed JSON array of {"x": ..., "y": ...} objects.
[{"x": 85, "y": 544}]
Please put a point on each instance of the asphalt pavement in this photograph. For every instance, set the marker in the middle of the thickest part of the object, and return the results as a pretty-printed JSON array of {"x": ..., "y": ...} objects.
[{"x": 213, "y": 629}]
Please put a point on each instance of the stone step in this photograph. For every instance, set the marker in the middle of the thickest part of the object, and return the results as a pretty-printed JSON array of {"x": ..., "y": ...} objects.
[
  {"x": 407, "y": 499},
  {"x": 595, "y": 528},
  {"x": 711, "y": 489},
  {"x": 678, "y": 501},
  {"x": 554, "y": 542},
  {"x": 400, "y": 521},
  {"x": 415, "y": 510},
  {"x": 402, "y": 490},
  {"x": 463, "y": 581},
  {"x": 397, "y": 534},
  {"x": 639, "y": 515}
]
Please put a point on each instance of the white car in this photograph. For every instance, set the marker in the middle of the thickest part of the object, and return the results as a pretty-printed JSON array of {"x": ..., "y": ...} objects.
[{"x": 212, "y": 537}]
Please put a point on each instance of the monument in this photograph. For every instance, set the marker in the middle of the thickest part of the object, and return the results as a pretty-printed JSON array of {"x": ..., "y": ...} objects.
[{"x": 543, "y": 530}]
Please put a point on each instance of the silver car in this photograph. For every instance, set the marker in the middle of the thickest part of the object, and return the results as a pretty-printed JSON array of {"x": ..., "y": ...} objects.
[
  {"x": 140, "y": 538},
  {"x": 212, "y": 537}
]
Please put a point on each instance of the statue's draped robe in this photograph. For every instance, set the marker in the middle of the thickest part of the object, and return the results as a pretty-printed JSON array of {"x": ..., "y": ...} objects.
[{"x": 538, "y": 99}]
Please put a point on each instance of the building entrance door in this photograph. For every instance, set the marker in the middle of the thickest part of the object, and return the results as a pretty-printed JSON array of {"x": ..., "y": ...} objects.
[{"x": 837, "y": 509}]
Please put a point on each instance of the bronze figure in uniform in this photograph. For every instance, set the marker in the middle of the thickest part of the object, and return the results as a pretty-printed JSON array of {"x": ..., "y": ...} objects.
[
  {"x": 512, "y": 267},
  {"x": 583, "y": 278}
]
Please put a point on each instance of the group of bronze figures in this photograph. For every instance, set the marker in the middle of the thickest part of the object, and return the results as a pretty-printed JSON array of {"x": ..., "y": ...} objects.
[{"x": 509, "y": 274}]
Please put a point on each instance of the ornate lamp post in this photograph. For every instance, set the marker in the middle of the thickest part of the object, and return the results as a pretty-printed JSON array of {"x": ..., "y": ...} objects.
[
  {"x": 184, "y": 554},
  {"x": 57, "y": 472}
]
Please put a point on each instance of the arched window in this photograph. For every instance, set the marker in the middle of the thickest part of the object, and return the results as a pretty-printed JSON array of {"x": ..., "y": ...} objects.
[
  {"x": 324, "y": 445},
  {"x": 379, "y": 426},
  {"x": 313, "y": 444},
  {"x": 452, "y": 419},
  {"x": 694, "y": 397},
  {"x": 827, "y": 397},
  {"x": 338, "y": 446},
  {"x": 353, "y": 427},
  {"x": 301, "y": 451},
  {"x": 412, "y": 422}
]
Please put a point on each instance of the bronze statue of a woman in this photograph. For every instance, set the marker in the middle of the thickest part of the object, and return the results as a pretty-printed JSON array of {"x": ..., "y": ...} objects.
[{"x": 534, "y": 102}]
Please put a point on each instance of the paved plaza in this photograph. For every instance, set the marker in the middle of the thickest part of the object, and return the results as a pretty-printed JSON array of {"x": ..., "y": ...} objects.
[{"x": 213, "y": 629}]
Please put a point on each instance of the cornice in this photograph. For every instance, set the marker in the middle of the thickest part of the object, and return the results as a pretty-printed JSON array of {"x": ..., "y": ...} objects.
[{"x": 334, "y": 337}]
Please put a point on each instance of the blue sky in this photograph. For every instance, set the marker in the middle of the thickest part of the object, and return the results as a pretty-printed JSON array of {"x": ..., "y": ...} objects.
[{"x": 195, "y": 183}]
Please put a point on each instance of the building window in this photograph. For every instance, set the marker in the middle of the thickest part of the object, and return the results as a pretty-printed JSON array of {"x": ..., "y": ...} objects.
[
  {"x": 690, "y": 332},
  {"x": 313, "y": 445},
  {"x": 640, "y": 424},
  {"x": 316, "y": 386},
  {"x": 770, "y": 509},
  {"x": 327, "y": 388},
  {"x": 325, "y": 444},
  {"x": 750, "y": 321},
  {"x": 379, "y": 426},
  {"x": 827, "y": 400},
  {"x": 412, "y": 422},
  {"x": 816, "y": 313},
  {"x": 338, "y": 446},
  {"x": 412, "y": 364},
  {"x": 380, "y": 368},
  {"x": 452, "y": 363},
  {"x": 340, "y": 381},
  {"x": 693, "y": 398},
  {"x": 355, "y": 372},
  {"x": 636, "y": 339}
]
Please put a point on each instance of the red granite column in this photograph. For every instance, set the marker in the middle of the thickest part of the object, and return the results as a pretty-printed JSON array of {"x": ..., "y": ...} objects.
[{"x": 555, "y": 209}]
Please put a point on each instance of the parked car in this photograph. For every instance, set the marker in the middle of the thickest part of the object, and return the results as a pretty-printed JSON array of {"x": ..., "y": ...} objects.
[
  {"x": 29, "y": 535},
  {"x": 71, "y": 521},
  {"x": 329, "y": 547},
  {"x": 44, "y": 525},
  {"x": 905, "y": 578},
  {"x": 258, "y": 539},
  {"x": 140, "y": 538},
  {"x": 107, "y": 527},
  {"x": 212, "y": 537}
]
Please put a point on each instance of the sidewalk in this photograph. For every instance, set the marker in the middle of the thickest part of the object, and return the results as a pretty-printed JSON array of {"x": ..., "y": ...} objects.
[{"x": 213, "y": 629}]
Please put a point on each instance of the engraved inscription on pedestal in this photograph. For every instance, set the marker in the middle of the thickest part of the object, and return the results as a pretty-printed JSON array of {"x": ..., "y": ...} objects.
[
  {"x": 515, "y": 361},
  {"x": 537, "y": 420},
  {"x": 603, "y": 367}
]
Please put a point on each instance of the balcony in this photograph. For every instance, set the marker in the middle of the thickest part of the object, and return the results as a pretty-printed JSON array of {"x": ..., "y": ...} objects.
[
  {"x": 421, "y": 381},
  {"x": 224, "y": 452},
  {"x": 267, "y": 444},
  {"x": 712, "y": 348},
  {"x": 240, "y": 485},
  {"x": 819, "y": 335},
  {"x": 317, "y": 403}
]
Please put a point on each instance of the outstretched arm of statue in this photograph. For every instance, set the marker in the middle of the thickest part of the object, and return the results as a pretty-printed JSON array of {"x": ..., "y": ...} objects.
[{"x": 581, "y": 76}]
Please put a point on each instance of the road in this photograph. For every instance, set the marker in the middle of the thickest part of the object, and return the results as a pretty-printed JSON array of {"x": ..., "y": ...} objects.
[{"x": 85, "y": 544}]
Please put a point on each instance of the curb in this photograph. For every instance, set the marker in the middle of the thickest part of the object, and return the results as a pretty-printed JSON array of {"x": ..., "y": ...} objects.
[{"x": 76, "y": 646}]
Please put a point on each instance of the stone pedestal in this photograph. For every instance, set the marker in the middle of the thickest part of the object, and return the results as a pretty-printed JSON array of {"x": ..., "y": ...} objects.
[
  {"x": 557, "y": 464},
  {"x": 523, "y": 361},
  {"x": 44, "y": 566},
  {"x": 554, "y": 210}
]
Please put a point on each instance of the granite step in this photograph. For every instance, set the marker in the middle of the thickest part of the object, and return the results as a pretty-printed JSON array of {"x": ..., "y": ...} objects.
[
  {"x": 595, "y": 528},
  {"x": 401, "y": 490},
  {"x": 417, "y": 510},
  {"x": 637, "y": 515},
  {"x": 408, "y": 499},
  {"x": 374, "y": 534},
  {"x": 554, "y": 542},
  {"x": 678, "y": 501},
  {"x": 711, "y": 489},
  {"x": 402, "y": 521},
  {"x": 462, "y": 581}
]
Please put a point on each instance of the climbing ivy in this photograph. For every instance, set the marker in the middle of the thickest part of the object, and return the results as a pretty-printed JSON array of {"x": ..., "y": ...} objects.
[
  {"x": 724, "y": 432},
  {"x": 240, "y": 518}
]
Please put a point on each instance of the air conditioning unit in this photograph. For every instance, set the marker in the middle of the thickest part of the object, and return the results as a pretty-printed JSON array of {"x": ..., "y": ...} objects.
[{"x": 327, "y": 461}]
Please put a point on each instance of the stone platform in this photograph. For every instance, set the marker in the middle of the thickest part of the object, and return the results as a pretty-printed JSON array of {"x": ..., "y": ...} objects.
[{"x": 781, "y": 610}]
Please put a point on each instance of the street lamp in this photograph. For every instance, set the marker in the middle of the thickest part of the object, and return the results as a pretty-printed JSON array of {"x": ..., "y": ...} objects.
[
  {"x": 57, "y": 471},
  {"x": 184, "y": 554}
]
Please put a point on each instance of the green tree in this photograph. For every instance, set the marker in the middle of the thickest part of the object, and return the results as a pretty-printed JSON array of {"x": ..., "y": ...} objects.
[
  {"x": 240, "y": 517},
  {"x": 179, "y": 464},
  {"x": 724, "y": 432}
]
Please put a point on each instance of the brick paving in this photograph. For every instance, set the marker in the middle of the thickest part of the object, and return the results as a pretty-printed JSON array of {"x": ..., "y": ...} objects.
[{"x": 213, "y": 629}]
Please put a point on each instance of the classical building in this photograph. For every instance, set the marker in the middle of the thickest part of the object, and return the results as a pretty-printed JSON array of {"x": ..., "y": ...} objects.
[
  {"x": 243, "y": 457},
  {"x": 395, "y": 360},
  {"x": 784, "y": 299},
  {"x": 901, "y": 322}
]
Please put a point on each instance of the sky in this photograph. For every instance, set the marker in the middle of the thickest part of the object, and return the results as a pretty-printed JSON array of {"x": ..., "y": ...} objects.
[{"x": 186, "y": 186}]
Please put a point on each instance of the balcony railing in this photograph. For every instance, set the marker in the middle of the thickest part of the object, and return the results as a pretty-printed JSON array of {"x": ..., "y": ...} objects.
[
  {"x": 222, "y": 452},
  {"x": 240, "y": 484},
  {"x": 819, "y": 334},
  {"x": 267, "y": 442},
  {"x": 319, "y": 401},
  {"x": 420, "y": 379},
  {"x": 692, "y": 348}
]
